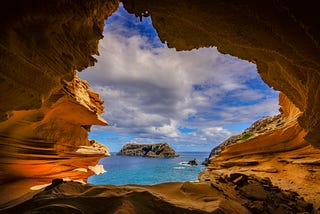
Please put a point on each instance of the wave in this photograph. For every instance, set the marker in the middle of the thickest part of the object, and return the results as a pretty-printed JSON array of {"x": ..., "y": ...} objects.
[
  {"x": 184, "y": 163},
  {"x": 179, "y": 167}
]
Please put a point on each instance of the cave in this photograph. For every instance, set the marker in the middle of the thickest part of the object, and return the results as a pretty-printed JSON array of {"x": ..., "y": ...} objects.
[{"x": 46, "y": 111}]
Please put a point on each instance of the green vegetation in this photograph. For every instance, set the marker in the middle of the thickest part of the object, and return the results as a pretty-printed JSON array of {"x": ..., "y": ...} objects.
[{"x": 246, "y": 135}]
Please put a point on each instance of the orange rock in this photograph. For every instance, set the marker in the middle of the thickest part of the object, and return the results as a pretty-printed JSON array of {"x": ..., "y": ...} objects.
[{"x": 45, "y": 118}]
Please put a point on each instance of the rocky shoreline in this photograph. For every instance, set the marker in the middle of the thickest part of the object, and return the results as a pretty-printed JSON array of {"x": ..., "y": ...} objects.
[
  {"x": 264, "y": 125},
  {"x": 289, "y": 162}
]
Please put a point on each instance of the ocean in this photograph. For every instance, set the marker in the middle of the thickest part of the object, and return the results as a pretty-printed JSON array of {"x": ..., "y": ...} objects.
[{"x": 141, "y": 170}]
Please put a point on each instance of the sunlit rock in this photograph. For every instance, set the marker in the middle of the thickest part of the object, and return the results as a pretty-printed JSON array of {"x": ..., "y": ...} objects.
[
  {"x": 97, "y": 169},
  {"x": 278, "y": 152},
  {"x": 46, "y": 111}
]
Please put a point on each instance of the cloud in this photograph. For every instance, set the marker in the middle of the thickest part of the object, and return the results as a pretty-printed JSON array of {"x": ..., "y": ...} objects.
[
  {"x": 214, "y": 131},
  {"x": 150, "y": 90}
]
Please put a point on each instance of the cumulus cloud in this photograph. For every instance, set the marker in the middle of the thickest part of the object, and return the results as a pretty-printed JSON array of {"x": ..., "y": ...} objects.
[
  {"x": 151, "y": 91},
  {"x": 214, "y": 131}
]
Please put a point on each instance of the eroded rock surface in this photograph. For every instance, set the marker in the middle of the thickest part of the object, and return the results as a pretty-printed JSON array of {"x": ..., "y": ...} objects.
[
  {"x": 265, "y": 125},
  {"x": 280, "y": 153},
  {"x": 46, "y": 111},
  {"x": 44, "y": 42},
  {"x": 235, "y": 193}
]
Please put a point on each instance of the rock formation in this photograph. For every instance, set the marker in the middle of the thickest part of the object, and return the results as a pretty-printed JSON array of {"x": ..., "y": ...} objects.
[
  {"x": 159, "y": 150},
  {"x": 279, "y": 152},
  {"x": 265, "y": 125},
  {"x": 235, "y": 193},
  {"x": 46, "y": 111},
  {"x": 193, "y": 162}
]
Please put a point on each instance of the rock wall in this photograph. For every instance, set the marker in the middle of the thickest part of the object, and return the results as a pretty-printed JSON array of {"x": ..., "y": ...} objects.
[
  {"x": 263, "y": 126},
  {"x": 280, "y": 154},
  {"x": 46, "y": 111}
]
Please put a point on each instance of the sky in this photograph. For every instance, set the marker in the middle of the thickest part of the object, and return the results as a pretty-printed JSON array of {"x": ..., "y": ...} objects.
[{"x": 192, "y": 100}]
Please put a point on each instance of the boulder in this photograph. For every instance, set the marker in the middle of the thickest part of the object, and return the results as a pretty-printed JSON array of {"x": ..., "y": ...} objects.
[{"x": 193, "y": 162}]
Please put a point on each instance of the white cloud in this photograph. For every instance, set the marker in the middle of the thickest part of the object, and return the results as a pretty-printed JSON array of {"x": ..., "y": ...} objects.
[
  {"x": 214, "y": 131},
  {"x": 150, "y": 92},
  {"x": 169, "y": 130}
]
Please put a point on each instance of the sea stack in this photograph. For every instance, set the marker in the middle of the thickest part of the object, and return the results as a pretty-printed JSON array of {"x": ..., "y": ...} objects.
[{"x": 159, "y": 150}]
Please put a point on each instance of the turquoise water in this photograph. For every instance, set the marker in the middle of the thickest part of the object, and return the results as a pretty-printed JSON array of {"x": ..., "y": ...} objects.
[{"x": 140, "y": 170}]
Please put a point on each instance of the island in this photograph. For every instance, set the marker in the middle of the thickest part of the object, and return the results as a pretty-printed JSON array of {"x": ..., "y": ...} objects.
[{"x": 159, "y": 150}]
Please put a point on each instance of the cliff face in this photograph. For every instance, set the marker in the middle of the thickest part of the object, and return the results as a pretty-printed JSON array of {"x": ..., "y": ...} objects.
[
  {"x": 159, "y": 150},
  {"x": 265, "y": 125},
  {"x": 52, "y": 141},
  {"x": 46, "y": 111},
  {"x": 279, "y": 153}
]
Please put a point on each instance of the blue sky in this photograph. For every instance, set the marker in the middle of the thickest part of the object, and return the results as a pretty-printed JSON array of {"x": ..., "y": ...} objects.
[{"x": 192, "y": 100}]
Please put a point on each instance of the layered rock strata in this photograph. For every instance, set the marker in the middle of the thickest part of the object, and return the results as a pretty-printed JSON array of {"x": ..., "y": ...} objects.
[
  {"x": 159, "y": 150},
  {"x": 43, "y": 42},
  {"x": 265, "y": 125},
  {"x": 46, "y": 111},
  {"x": 279, "y": 153}
]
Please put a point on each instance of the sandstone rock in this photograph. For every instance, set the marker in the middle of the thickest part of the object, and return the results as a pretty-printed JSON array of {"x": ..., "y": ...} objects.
[
  {"x": 55, "y": 182},
  {"x": 160, "y": 150},
  {"x": 206, "y": 162},
  {"x": 282, "y": 153},
  {"x": 221, "y": 195},
  {"x": 260, "y": 195},
  {"x": 43, "y": 43},
  {"x": 228, "y": 164},
  {"x": 97, "y": 169},
  {"x": 259, "y": 127},
  {"x": 238, "y": 179},
  {"x": 46, "y": 111},
  {"x": 95, "y": 148},
  {"x": 265, "y": 169},
  {"x": 307, "y": 162}
]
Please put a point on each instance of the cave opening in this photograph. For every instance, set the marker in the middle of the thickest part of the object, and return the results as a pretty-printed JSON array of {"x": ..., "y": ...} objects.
[
  {"x": 193, "y": 100},
  {"x": 46, "y": 111}
]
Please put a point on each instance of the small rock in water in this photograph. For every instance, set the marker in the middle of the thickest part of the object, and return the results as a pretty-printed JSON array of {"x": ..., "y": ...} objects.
[{"x": 193, "y": 162}]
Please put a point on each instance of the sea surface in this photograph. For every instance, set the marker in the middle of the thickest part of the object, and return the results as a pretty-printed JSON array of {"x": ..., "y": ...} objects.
[{"x": 142, "y": 170}]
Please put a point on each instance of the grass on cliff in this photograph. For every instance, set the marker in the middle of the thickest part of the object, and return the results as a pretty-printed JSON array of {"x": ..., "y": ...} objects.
[{"x": 246, "y": 135}]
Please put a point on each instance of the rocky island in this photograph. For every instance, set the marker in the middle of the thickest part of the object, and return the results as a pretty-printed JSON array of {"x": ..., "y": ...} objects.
[{"x": 159, "y": 150}]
